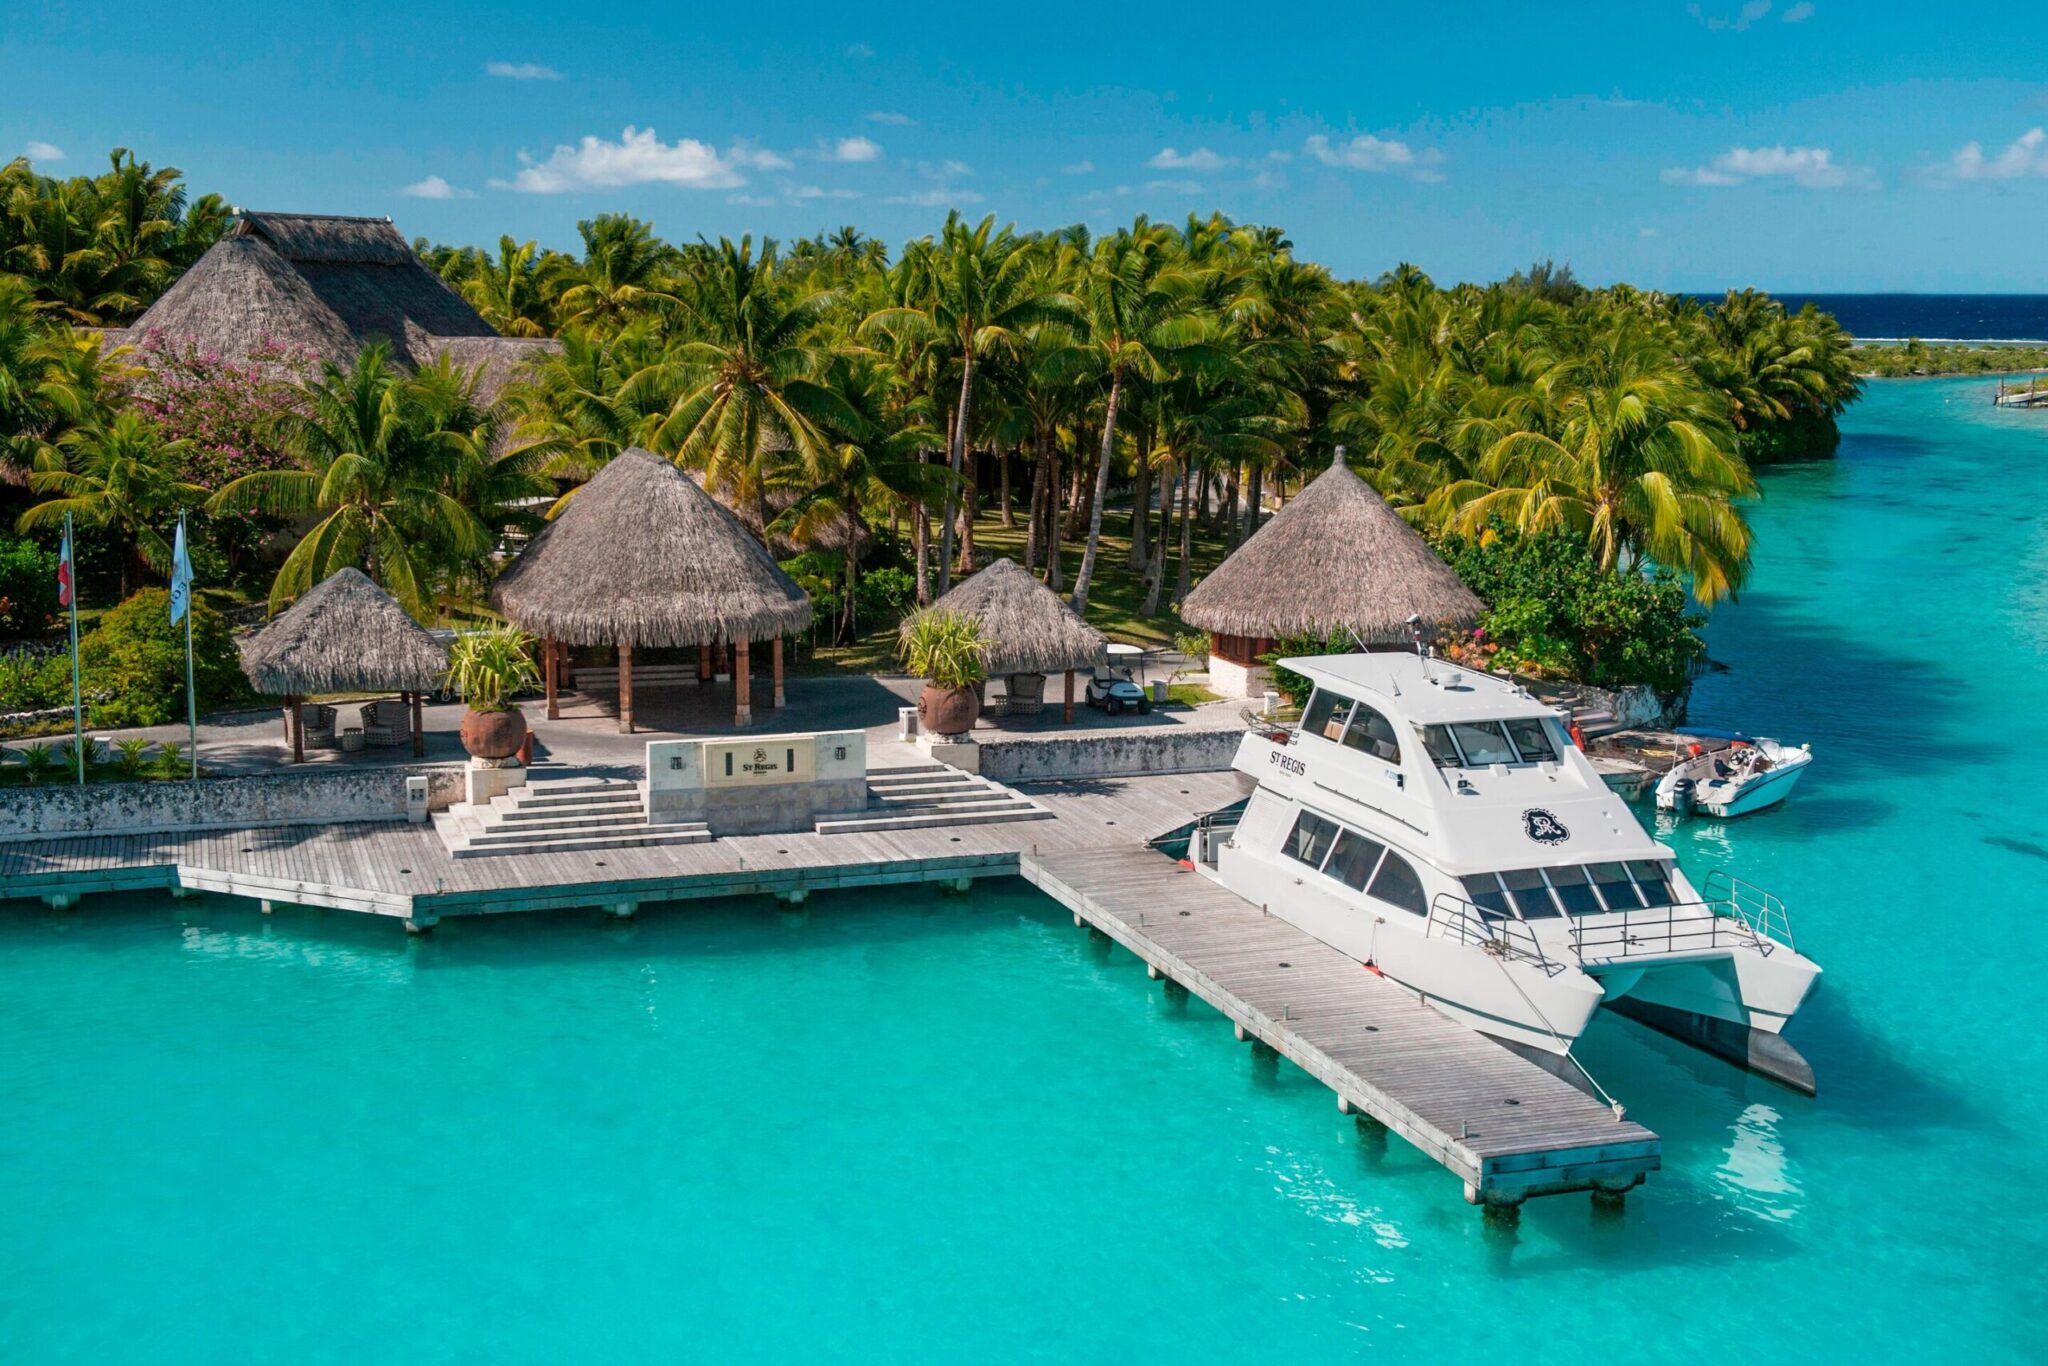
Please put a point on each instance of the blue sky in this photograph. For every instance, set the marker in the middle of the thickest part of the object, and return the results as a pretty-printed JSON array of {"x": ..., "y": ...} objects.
[{"x": 1813, "y": 145}]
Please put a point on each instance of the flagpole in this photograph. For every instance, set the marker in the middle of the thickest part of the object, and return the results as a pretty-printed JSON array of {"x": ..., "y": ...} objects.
[
  {"x": 77, "y": 693},
  {"x": 191, "y": 697}
]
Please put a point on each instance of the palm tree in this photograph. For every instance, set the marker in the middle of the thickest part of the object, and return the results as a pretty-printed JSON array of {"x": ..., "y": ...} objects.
[
  {"x": 624, "y": 271},
  {"x": 508, "y": 291},
  {"x": 602, "y": 392},
  {"x": 120, "y": 473},
  {"x": 1136, "y": 298},
  {"x": 980, "y": 286},
  {"x": 1637, "y": 457},
  {"x": 386, "y": 467},
  {"x": 745, "y": 389}
]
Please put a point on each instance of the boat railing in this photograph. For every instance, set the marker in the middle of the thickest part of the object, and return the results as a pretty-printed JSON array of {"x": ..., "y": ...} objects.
[
  {"x": 1453, "y": 917},
  {"x": 1689, "y": 927},
  {"x": 1280, "y": 725},
  {"x": 1762, "y": 912}
]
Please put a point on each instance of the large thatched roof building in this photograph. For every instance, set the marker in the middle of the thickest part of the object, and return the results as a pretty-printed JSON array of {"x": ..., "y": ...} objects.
[
  {"x": 328, "y": 286},
  {"x": 1336, "y": 559},
  {"x": 642, "y": 556},
  {"x": 346, "y": 635}
]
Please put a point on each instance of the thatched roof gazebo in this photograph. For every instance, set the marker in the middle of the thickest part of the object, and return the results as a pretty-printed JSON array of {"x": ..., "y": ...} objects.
[
  {"x": 1335, "y": 559},
  {"x": 641, "y": 555},
  {"x": 1029, "y": 629},
  {"x": 346, "y": 635},
  {"x": 327, "y": 286}
]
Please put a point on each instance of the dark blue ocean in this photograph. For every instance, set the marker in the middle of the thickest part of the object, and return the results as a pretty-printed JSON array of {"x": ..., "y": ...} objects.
[{"x": 1932, "y": 317}]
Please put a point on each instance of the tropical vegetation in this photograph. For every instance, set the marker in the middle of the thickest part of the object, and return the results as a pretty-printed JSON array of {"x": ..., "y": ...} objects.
[{"x": 1116, "y": 409}]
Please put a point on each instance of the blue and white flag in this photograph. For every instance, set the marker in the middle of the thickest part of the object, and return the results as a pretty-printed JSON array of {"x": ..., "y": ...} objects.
[{"x": 181, "y": 577}]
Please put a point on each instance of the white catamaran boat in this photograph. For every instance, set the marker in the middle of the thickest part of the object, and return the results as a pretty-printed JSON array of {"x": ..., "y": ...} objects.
[
  {"x": 1742, "y": 776},
  {"x": 1438, "y": 825}
]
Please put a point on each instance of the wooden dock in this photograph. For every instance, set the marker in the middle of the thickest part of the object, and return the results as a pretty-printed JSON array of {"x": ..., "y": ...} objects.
[{"x": 1506, "y": 1127}]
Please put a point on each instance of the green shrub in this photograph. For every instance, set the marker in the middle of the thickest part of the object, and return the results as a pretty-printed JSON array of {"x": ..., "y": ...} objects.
[
  {"x": 885, "y": 594},
  {"x": 28, "y": 588},
  {"x": 1553, "y": 612},
  {"x": 33, "y": 679},
  {"x": 1291, "y": 685},
  {"x": 133, "y": 662}
]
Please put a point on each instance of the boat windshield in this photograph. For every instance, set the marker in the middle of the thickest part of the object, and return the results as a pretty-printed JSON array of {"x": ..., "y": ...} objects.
[
  {"x": 1480, "y": 744},
  {"x": 1588, "y": 889}
]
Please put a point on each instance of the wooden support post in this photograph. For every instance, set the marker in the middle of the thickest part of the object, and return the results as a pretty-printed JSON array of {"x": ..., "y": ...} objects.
[
  {"x": 1067, "y": 712},
  {"x": 551, "y": 668},
  {"x": 298, "y": 729},
  {"x": 419, "y": 735},
  {"x": 776, "y": 657},
  {"x": 625, "y": 687},
  {"x": 704, "y": 663},
  {"x": 742, "y": 671}
]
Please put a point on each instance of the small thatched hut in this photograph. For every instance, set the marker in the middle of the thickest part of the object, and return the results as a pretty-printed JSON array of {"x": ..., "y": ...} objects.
[
  {"x": 1030, "y": 630},
  {"x": 327, "y": 286},
  {"x": 641, "y": 555},
  {"x": 1336, "y": 558},
  {"x": 346, "y": 635}
]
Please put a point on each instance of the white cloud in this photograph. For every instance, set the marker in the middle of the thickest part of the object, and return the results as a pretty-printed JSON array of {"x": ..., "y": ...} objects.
[
  {"x": 943, "y": 170},
  {"x": 1201, "y": 159},
  {"x": 889, "y": 119},
  {"x": 1378, "y": 155},
  {"x": 1812, "y": 168},
  {"x": 2025, "y": 155},
  {"x": 637, "y": 158},
  {"x": 853, "y": 150},
  {"x": 1799, "y": 13},
  {"x": 1078, "y": 168},
  {"x": 820, "y": 192},
  {"x": 1175, "y": 187},
  {"x": 756, "y": 201},
  {"x": 1646, "y": 232},
  {"x": 939, "y": 198},
  {"x": 760, "y": 158},
  {"x": 1752, "y": 11},
  {"x": 434, "y": 187},
  {"x": 522, "y": 71},
  {"x": 860, "y": 52},
  {"x": 44, "y": 151}
]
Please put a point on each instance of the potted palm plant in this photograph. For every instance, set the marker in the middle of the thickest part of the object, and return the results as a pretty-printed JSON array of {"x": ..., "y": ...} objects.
[
  {"x": 486, "y": 668},
  {"x": 947, "y": 651}
]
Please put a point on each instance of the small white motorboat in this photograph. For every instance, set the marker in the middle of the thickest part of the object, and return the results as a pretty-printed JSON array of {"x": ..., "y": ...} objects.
[{"x": 1742, "y": 775}]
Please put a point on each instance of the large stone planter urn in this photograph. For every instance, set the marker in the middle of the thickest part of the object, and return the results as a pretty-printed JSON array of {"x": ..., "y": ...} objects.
[
  {"x": 948, "y": 711},
  {"x": 493, "y": 735}
]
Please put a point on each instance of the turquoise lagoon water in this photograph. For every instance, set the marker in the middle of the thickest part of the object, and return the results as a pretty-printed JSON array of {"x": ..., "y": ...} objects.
[{"x": 907, "y": 1126}]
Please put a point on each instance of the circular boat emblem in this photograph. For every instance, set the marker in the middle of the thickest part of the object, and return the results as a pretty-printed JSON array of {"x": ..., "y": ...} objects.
[{"x": 1543, "y": 827}]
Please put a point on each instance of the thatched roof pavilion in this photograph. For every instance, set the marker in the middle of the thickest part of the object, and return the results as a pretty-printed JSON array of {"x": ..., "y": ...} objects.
[
  {"x": 641, "y": 555},
  {"x": 328, "y": 286},
  {"x": 346, "y": 635},
  {"x": 1335, "y": 559},
  {"x": 1029, "y": 629}
]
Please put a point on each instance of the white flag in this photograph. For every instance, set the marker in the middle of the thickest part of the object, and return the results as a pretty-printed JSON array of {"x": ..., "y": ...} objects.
[{"x": 181, "y": 577}]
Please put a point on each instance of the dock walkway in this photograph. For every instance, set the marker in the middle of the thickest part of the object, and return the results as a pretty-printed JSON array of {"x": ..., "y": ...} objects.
[{"x": 1506, "y": 1127}]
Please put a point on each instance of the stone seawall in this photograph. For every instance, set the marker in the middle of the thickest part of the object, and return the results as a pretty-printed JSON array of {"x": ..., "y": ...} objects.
[
  {"x": 319, "y": 795},
  {"x": 1110, "y": 754}
]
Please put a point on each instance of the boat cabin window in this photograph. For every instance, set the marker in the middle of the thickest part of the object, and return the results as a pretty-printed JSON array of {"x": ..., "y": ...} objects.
[
  {"x": 1574, "y": 890},
  {"x": 1397, "y": 885},
  {"x": 1354, "y": 858},
  {"x": 1311, "y": 838},
  {"x": 1529, "y": 892},
  {"x": 1325, "y": 714},
  {"x": 1483, "y": 890},
  {"x": 1617, "y": 890},
  {"x": 1476, "y": 744},
  {"x": 1653, "y": 881},
  {"x": 1371, "y": 733}
]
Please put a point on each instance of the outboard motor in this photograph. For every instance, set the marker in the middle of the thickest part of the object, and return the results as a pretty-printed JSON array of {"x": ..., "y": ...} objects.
[{"x": 1685, "y": 797}]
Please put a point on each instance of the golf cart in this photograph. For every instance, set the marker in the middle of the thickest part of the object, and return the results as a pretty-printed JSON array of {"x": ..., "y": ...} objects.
[{"x": 1111, "y": 687}]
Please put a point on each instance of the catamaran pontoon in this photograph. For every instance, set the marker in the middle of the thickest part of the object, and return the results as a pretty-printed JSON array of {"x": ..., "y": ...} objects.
[{"x": 1438, "y": 825}]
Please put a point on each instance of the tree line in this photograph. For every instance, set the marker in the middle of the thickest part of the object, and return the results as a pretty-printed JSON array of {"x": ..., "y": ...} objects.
[{"x": 829, "y": 388}]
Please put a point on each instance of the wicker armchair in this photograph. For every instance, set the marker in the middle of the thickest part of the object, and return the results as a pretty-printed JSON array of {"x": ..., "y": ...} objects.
[
  {"x": 1024, "y": 694},
  {"x": 385, "y": 724},
  {"x": 319, "y": 722}
]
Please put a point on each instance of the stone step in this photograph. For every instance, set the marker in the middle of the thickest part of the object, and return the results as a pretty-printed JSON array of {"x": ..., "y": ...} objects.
[
  {"x": 630, "y": 805},
  {"x": 532, "y": 829},
  {"x": 967, "y": 800},
  {"x": 847, "y": 825},
  {"x": 900, "y": 777},
  {"x": 540, "y": 842},
  {"x": 964, "y": 782}
]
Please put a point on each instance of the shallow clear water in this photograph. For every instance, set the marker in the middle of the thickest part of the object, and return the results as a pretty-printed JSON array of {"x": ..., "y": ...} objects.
[{"x": 909, "y": 1125}]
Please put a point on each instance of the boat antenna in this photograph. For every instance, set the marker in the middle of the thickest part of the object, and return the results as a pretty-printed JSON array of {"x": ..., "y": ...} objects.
[{"x": 1415, "y": 631}]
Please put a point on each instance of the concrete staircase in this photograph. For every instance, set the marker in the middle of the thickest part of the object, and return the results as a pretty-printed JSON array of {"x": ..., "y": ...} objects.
[
  {"x": 562, "y": 815},
  {"x": 933, "y": 796}
]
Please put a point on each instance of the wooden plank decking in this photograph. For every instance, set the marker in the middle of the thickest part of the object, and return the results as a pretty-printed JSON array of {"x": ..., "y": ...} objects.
[{"x": 1503, "y": 1125}]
